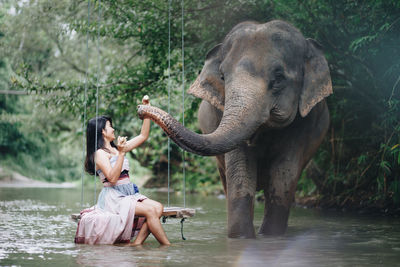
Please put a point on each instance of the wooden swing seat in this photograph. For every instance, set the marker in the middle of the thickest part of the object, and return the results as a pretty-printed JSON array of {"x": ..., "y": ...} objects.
[{"x": 169, "y": 212}]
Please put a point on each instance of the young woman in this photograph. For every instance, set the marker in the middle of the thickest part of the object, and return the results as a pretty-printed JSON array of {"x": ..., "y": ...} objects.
[{"x": 112, "y": 219}]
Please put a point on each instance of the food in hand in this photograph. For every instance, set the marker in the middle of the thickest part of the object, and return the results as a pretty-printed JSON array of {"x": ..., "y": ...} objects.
[{"x": 146, "y": 99}]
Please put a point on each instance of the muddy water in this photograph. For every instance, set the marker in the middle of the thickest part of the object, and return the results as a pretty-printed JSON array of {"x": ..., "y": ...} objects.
[{"x": 35, "y": 230}]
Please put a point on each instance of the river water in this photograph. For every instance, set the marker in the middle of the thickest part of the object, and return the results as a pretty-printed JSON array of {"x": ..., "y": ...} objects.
[{"x": 35, "y": 230}]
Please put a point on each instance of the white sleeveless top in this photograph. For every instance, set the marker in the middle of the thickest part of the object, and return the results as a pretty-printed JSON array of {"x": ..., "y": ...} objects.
[{"x": 123, "y": 179}]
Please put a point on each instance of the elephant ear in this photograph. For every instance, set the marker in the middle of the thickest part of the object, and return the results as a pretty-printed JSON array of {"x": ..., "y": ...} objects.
[
  {"x": 209, "y": 85},
  {"x": 317, "y": 80}
]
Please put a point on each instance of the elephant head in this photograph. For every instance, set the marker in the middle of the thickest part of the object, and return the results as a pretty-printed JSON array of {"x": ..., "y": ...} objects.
[{"x": 261, "y": 75}]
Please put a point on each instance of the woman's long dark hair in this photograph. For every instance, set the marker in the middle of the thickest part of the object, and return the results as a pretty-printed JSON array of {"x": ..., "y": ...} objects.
[{"x": 91, "y": 136}]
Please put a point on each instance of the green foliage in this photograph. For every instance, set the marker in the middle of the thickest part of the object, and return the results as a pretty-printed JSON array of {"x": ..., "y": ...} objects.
[
  {"x": 47, "y": 56},
  {"x": 305, "y": 186},
  {"x": 364, "y": 57},
  {"x": 30, "y": 147},
  {"x": 29, "y": 134}
]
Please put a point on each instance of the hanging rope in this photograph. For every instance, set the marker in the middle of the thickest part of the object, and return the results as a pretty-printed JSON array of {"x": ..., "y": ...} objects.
[
  {"x": 84, "y": 101},
  {"x": 97, "y": 92},
  {"x": 169, "y": 91},
  {"x": 183, "y": 114},
  {"x": 183, "y": 106},
  {"x": 183, "y": 100}
]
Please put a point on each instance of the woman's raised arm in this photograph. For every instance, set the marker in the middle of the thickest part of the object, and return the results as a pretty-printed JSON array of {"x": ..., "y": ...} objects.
[{"x": 144, "y": 133}]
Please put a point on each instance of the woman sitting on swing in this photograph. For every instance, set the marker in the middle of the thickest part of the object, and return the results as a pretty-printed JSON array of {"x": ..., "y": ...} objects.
[{"x": 111, "y": 220}]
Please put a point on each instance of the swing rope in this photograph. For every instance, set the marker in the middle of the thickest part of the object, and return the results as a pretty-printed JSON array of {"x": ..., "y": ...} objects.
[
  {"x": 164, "y": 218},
  {"x": 85, "y": 103},
  {"x": 169, "y": 92},
  {"x": 183, "y": 108},
  {"x": 97, "y": 92},
  {"x": 183, "y": 98}
]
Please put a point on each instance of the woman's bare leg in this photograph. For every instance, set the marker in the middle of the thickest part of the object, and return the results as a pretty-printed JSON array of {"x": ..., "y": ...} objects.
[
  {"x": 142, "y": 235},
  {"x": 152, "y": 212},
  {"x": 157, "y": 205},
  {"x": 144, "y": 231}
]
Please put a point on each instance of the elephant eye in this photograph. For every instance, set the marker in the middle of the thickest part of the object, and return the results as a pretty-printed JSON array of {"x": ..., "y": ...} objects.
[
  {"x": 222, "y": 77},
  {"x": 279, "y": 77},
  {"x": 276, "y": 83}
]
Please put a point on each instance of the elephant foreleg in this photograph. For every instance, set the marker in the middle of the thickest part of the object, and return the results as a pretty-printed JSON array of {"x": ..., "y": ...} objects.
[{"x": 241, "y": 188}]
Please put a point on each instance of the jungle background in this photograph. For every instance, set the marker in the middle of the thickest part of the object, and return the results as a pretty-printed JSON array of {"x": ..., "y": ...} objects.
[{"x": 46, "y": 46}]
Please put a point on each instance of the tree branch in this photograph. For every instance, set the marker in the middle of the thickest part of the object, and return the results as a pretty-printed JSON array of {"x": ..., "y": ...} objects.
[
  {"x": 12, "y": 92},
  {"x": 63, "y": 57}
]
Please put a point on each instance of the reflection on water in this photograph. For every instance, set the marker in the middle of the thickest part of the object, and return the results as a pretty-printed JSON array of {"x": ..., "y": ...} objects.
[{"x": 35, "y": 230}]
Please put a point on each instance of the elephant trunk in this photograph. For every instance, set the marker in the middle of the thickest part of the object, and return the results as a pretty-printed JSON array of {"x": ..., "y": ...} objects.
[
  {"x": 216, "y": 143},
  {"x": 237, "y": 125}
]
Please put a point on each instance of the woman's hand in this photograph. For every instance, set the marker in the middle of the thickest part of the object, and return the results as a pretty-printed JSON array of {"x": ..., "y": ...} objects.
[
  {"x": 121, "y": 144},
  {"x": 146, "y": 100}
]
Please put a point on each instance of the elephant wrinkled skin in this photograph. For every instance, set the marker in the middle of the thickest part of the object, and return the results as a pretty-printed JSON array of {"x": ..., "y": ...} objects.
[{"x": 263, "y": 116}]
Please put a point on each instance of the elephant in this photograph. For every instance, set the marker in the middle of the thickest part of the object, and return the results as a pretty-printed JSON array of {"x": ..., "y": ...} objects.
[{"x": 263, "y": 115}]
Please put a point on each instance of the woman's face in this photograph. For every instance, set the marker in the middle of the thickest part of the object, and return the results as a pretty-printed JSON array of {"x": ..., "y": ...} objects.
[{"x": 108, "y": 132}]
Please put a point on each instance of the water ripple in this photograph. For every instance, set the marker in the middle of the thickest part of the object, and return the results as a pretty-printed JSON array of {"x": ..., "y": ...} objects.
[{"x": 37, "y": 231}]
